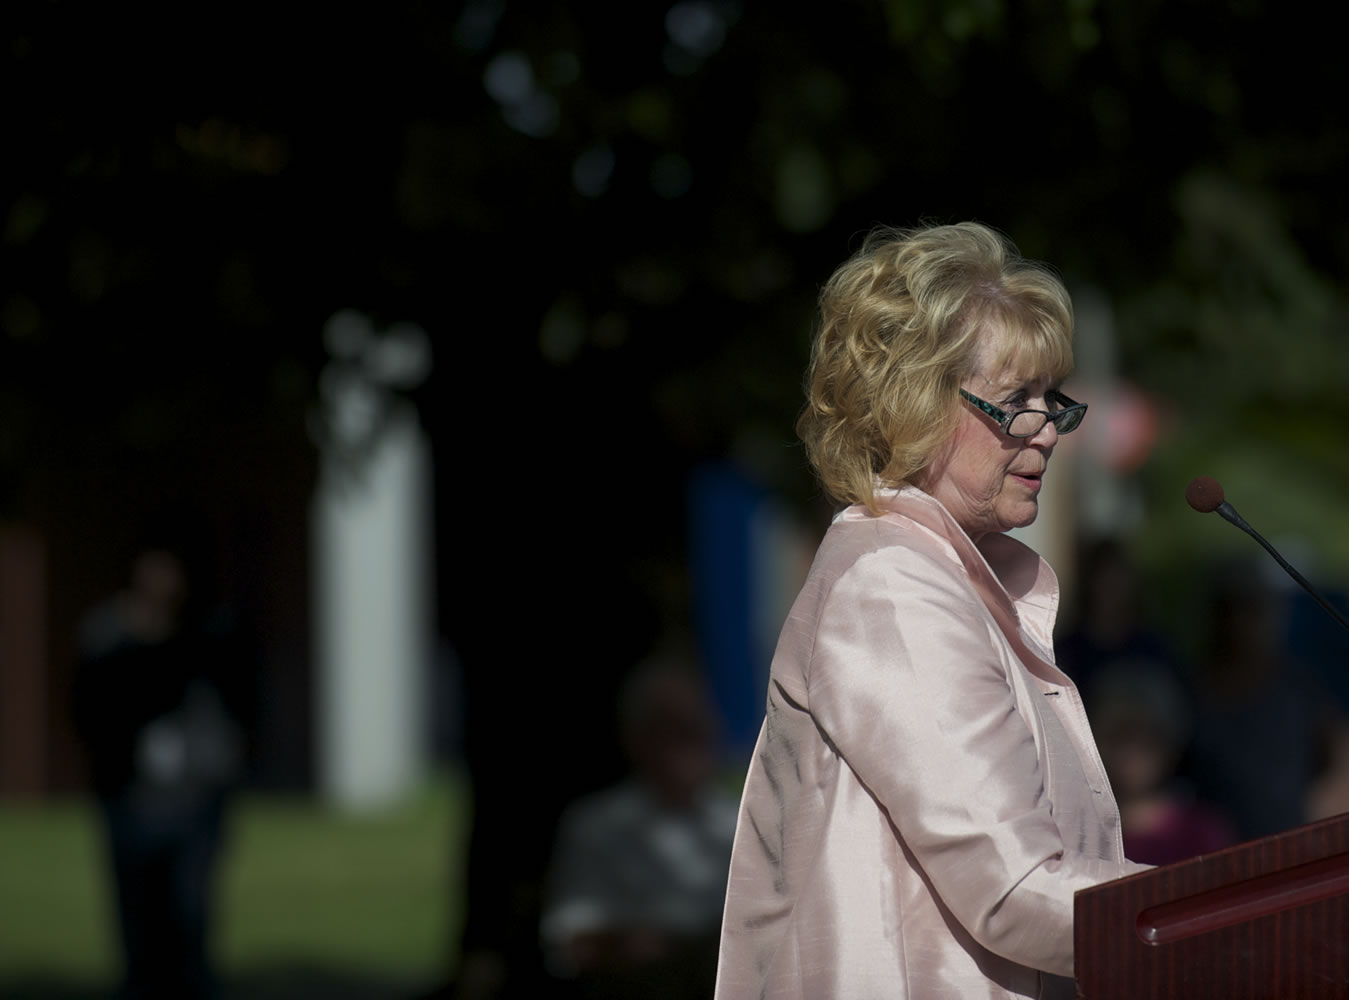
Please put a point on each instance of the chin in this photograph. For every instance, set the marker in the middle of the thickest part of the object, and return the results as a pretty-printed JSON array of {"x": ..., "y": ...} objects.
[{"x": 1024, "y": 519}]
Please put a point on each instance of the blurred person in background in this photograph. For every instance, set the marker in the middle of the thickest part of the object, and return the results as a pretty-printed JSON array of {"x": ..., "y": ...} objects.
[
  {"x": 1108, "y": 627},
  {"x": 638, "y": 873},
  {"x": 157, "y": 711},
  {"x": 924, "y": 799},
  {"x": 1263, "y": 720},
  {"x": 1141, "y": 719}
]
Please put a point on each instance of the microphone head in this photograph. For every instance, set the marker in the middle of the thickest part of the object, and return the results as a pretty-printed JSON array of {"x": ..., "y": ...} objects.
[{"x": 1204, "y": 494}]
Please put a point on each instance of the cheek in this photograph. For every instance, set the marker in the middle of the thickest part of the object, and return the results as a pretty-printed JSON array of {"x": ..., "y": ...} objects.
[
  {"x": 984, "y": 466},
  {"x": 968, "y": 452},
  {"x": 976, "y": 459}
]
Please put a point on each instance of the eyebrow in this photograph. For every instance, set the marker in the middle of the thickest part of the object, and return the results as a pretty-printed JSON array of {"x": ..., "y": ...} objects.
[{"x": 1011, "y": 387}]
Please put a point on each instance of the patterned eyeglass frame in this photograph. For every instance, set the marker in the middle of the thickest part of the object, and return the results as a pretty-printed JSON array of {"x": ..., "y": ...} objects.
[{"x": 1005, "y": 418}]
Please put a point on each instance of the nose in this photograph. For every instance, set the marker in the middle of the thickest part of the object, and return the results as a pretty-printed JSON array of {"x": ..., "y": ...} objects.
[{"x": 1046, "y": 437}]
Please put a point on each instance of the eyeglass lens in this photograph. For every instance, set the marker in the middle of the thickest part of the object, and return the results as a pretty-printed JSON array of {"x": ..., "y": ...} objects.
[{"x": 1028, "y": 423}]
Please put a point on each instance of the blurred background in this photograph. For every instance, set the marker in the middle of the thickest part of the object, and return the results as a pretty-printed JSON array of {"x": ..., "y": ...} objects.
[{"x": 460, "y": 345}]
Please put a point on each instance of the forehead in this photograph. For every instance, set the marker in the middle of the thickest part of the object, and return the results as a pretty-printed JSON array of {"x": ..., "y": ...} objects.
[
  {"x": 1011, "y": 380},
  {"x": 1013, "y": 358}
]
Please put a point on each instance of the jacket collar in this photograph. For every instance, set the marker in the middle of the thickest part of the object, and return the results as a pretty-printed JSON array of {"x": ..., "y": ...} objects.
[{"x": 1017, "y": 585}]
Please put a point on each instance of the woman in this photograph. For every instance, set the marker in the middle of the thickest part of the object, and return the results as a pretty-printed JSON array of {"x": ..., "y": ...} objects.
[{"x": 925, "y": 796}]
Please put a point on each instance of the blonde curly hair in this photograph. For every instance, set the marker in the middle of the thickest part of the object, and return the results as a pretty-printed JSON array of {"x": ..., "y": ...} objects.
[{"x": 903, "y": 322}]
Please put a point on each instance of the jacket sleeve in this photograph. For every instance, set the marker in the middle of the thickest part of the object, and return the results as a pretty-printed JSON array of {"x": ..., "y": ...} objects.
[{"x": 907, "y": 682}]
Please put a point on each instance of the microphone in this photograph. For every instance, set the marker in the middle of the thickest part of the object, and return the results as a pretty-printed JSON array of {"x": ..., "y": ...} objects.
[{"x": 1205, "y": 495}]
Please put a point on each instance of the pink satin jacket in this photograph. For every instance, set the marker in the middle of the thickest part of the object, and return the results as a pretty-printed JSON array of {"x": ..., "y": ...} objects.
[{"x": 925, "y": 796}]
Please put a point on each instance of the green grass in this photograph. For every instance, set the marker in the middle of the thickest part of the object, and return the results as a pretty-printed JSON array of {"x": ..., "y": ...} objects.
[
  {"x": 301, "y": 885},
  {"x": 55, "y": 907}
]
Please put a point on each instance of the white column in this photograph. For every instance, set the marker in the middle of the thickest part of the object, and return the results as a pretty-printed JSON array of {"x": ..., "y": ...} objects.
[{"x": 372, "y": 579}]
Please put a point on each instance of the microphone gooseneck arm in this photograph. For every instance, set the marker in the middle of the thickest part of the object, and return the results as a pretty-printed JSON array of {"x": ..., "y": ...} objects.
[{"x": 1230, "y": 514}]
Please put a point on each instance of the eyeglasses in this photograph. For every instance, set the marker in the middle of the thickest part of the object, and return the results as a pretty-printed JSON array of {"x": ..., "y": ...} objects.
[{"x": 1028, "y": 423}]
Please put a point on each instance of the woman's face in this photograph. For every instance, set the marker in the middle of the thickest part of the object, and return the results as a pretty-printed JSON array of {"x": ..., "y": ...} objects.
[{"x": 989, "y": 481}]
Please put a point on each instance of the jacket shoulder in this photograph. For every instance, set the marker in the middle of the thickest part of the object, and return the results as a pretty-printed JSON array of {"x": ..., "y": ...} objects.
[{"x": 853, "y": 541}]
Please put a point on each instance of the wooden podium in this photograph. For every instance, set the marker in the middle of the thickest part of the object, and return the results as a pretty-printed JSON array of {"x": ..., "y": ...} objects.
[{"x": 1262, "y": 920}]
